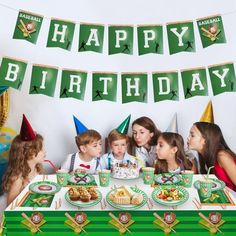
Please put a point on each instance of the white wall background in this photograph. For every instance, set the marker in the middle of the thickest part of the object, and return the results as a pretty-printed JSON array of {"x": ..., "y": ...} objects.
[{"x": 52, "y": 117}]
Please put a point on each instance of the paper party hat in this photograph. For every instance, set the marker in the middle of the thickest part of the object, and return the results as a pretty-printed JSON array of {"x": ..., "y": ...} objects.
[
  {"x": 80, "y": 128},
  {"x": 173, "y": 126},
  {"x": 26, "y": 132},
  {"x": 124, "y": 126},
  {"x": 208, "y": 115}
]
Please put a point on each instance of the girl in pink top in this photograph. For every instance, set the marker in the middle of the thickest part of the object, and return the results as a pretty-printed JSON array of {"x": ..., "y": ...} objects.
[{"x": 207, "y": 139}]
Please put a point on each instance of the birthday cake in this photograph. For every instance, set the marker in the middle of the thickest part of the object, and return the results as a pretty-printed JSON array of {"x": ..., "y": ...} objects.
[{"x": 125, "y": 171}]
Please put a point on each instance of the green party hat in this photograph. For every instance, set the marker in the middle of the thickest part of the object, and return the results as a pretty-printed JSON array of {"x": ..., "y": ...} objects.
[{"x": 124, "y": 126}]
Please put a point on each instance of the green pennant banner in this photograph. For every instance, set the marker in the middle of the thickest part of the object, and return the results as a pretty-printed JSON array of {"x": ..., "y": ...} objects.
[
  {"x": 181, "y": 37},
  {"x": 194, "y": 82},
  {"x": 104, "y": 86},
  {"x": 28, "y": 26},
  {"x": 73, "y": 84},
  {"x": 150, "y": 39},
  {"x": 211, "y": 30},
  {"x": 222, "y": 78},
  {"x": 91, "y": 38},
  {"x": 43, "y": 80},
  {"x": 165, "y": 86},
  {"x": 121, "y": 39},
  {"x": 61, "y": 34},
  {"x": 134, "y": 87},
  {"x": 12, "y": 72}
]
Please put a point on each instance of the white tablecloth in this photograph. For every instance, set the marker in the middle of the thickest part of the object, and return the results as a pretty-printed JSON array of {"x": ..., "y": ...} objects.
[{"x": 65, "y": 206}]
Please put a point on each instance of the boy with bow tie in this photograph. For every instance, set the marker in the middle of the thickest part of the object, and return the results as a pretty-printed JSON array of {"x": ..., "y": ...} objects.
[{"x": 89, "y": 144}]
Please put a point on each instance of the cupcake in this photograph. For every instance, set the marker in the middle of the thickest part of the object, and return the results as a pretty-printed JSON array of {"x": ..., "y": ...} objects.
[
  {"x": 85, "y": 196},
  {"x": 93, "y": 193},
  {"x": 74, "y": 194}
]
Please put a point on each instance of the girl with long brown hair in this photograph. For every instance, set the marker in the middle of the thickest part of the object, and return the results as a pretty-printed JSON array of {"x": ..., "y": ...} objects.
[
  {"x": 207, "y": 139},
  {"x": 170, "y": 154}
]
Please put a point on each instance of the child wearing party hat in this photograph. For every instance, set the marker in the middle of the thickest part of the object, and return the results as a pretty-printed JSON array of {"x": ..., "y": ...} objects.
[
  {"x": 89, "y": 144},
  {"x": 207, "y": 139},
  {"x": 25, "y": 160},
  {"x": 118, "y": 141}
]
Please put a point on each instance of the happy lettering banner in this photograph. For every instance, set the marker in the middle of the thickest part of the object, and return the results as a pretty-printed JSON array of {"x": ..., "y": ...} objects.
[{"x": 121, "y": 38}]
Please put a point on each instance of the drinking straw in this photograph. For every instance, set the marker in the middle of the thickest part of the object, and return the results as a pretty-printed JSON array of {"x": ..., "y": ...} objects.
[
  {"x": 208, "y": 172},
  {"x": 53, "y": 166}
]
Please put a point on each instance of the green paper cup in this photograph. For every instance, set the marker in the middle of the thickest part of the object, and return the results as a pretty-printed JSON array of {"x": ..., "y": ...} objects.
[
  {"x": 148, "y": 175},
  {"x": 187, "y": 178},
  {"x": 62, "y": 177},
  {"x": 205, "y": 188},
  {"x": 104, "y": 177}
]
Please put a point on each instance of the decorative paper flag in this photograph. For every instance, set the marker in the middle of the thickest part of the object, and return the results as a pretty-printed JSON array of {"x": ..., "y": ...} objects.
[
  {"x": 3, "y": 89},
  {"x": 211, "y": 30},
  {"x": 73, "y": 83},
  {"x": 61, "y": 34},
  {"x": 150, "y": 39},
  {"x": 208, "y": 115},
  {"x": 165, "y": 86},
  {"x": 26, "y": 132},
  {"x": 222, "y": 78},
  {"x": 121, "y": 39},
  {"x": 124, "y": 126},
  {"x": 194, "y": 82},
  {"x": 43, "y": 80},
  {"x": 91, "y": 37},
  {"x": 28, "y": 26},
  {"x": 181, "y": 37},
  {"x": 79, "y": 126},
  {"x": 104, "y": 86},
  {"x": 134, "y": 87},
  {"x": 12, "y": 72},
  {"x": 173, "y": 126}
]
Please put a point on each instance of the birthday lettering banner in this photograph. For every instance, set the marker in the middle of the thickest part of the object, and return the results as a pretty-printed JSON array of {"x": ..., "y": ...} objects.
[
  {"x": 194, "y": 82},
  {"x": 120, "y": 38},
  {"x": 134, "y": 86},
  {"x": 165, "y": 86},
  {"x": 73, "y": 84},
  {"x": 104, "y": 86}
]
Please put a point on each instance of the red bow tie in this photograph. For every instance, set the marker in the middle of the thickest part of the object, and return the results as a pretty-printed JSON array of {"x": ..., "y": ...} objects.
[{"x": 85, "y": 166}]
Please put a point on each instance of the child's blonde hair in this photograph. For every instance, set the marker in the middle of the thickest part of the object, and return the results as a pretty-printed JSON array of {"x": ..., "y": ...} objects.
[
  {"x": 115, "y": 135},
  {"x": 20, "y": 152},
  {"x": 87, "y": 137}
]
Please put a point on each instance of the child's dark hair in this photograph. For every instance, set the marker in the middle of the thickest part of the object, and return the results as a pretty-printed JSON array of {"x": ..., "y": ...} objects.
[{"x": 174, "y": 140}]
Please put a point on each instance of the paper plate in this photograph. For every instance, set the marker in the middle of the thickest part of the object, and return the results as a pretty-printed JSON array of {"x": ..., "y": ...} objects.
[
  {"x": 166, "y": 198},
  {"x": 167, "y": 178},
  {"x": 217, "y": 184},
  {"x": 130, "y": 206},
  {"x": 81, "y": 179},
  {"x": 45, "y": 187},
  {"x": 84, "y": 204}
]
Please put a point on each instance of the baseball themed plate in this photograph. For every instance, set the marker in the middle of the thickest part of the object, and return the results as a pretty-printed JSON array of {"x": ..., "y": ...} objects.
[
  {"x": 170, "y": 195},
  {"x": 126, "y": 198},
  {"x": 82, "y": 202},
  {"x": 216, "y": 184},
  {"x": 167, "y": 178},
  {"x": 81, "y": 179},
  {"x": 45, "y": 187}
]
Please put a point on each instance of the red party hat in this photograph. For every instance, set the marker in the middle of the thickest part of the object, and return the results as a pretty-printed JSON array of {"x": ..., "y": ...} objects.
[{"x": 26, "y": 131}]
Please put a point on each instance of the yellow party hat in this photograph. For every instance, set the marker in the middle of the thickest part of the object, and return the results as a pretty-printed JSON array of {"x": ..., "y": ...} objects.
[{"x": 208, "y": 115}]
